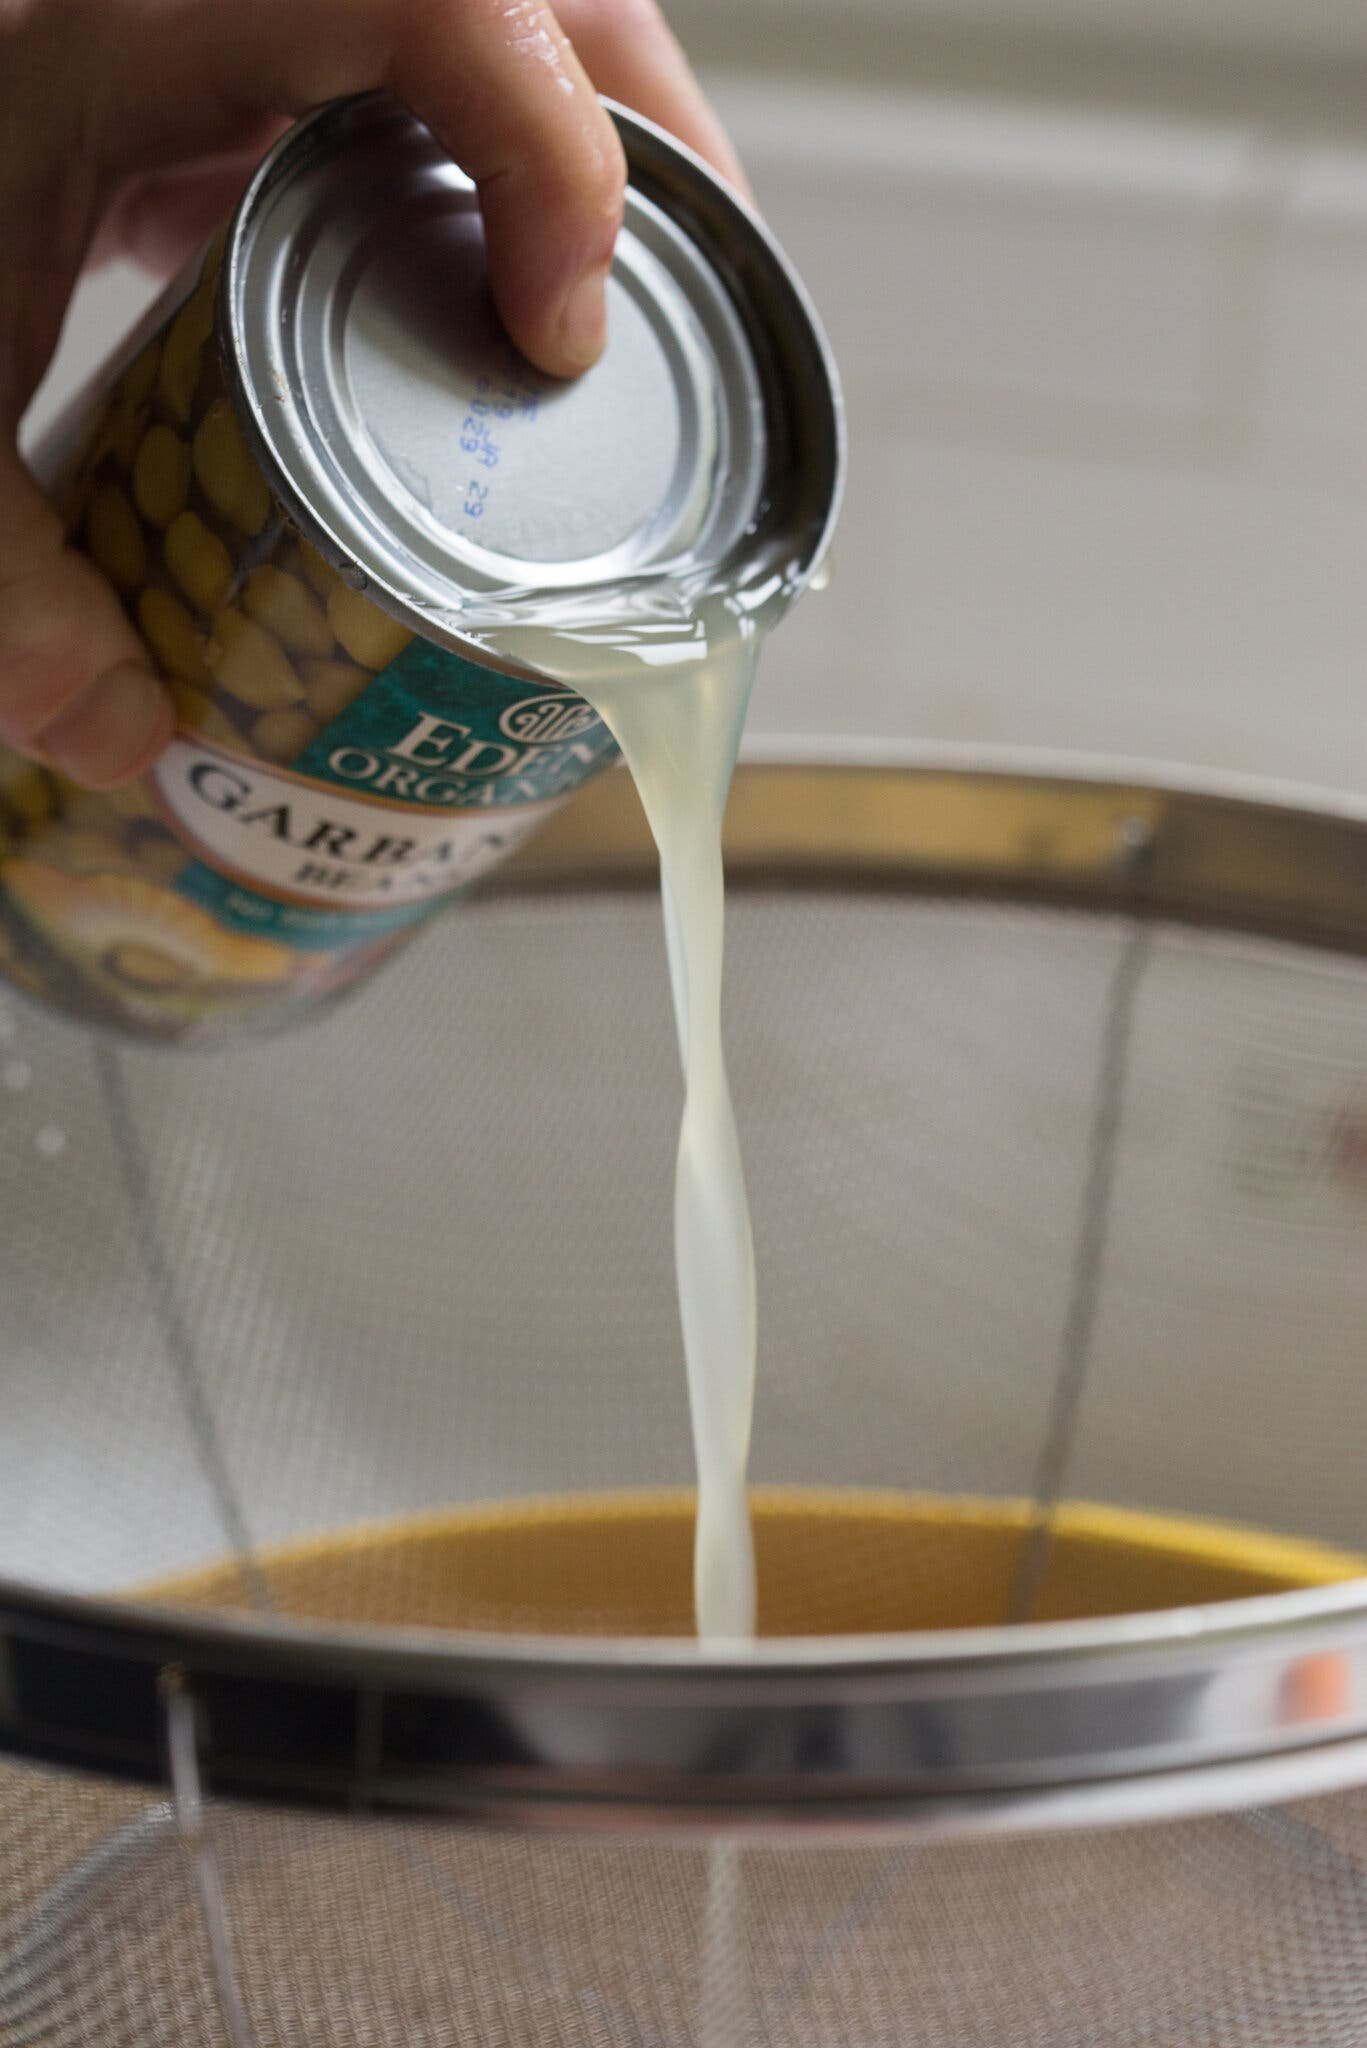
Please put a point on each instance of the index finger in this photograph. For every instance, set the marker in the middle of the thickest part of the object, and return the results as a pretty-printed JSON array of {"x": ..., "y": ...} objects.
[
  {"x": 517, "y": 110},
  {"x": 497, "y": 81},
  {"x": 632, "y": 54}
]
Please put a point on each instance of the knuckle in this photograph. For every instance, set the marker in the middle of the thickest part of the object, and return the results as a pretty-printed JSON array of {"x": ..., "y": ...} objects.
[
  {"x": 583, "y": 185},
  {"x": 35, "y": 689},
  {"x": 611, "y": 19},
  {"x": 597, "y": 192},
  {"x": 46, "y": 660}
]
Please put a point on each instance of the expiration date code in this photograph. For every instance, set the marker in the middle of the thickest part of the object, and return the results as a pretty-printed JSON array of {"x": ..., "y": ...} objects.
[{"x": 496, "y": 400}]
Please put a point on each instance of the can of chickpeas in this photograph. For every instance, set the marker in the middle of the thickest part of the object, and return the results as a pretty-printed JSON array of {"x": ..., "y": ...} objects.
[{"x": 305, "y": 475}]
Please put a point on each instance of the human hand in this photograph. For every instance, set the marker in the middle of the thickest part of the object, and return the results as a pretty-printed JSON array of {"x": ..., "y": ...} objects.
[{"x": 134, "y": 125}]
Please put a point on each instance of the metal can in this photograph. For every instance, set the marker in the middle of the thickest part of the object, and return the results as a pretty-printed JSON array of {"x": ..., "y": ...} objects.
[{"x": 325, "y": 450}]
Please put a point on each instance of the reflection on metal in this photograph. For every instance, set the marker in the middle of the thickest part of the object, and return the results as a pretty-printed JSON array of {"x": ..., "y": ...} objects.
[
  {"x": 1246, "y": 862},
  {"x": 182, "y": 1754},
  {"x": 175, "y": 1330},
  {"x": 1093, "y": 1230}
]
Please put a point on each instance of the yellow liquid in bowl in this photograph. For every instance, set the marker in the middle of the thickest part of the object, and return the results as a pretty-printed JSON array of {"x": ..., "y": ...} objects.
[{"x": 829, "y": 1562}]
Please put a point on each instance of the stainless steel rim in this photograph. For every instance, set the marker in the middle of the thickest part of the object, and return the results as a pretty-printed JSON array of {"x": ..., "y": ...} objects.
[
  {"x": 1247, "y": 855},
  {"x": 1039, "y": 1725},
  {"x": 1078, "y": 1722}
]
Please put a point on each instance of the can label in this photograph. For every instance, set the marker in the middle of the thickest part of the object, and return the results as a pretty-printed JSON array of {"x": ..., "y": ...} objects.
[
  {"x": 334, "y": 779},
  {"x": 440, "y": 770}
]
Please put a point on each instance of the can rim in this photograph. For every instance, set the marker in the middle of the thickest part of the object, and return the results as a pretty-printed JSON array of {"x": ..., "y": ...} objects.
[{"x": 658, "y": 164}]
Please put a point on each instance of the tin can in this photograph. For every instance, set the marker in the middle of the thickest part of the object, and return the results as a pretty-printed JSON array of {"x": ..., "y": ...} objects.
[{"x": 300, "y": 482}]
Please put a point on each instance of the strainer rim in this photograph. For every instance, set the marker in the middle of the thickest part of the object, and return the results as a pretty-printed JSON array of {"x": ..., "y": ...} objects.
[
  {"x": 1139, "y": 839},
  {"x": 1083, "y": 1722},
  {"x": 1245, "y": 1619}
]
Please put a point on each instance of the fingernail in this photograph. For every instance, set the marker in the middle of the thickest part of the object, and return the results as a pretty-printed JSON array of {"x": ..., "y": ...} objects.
[
  {"x": 113, "y": 733},
  {"x": 583, "y": 329}
]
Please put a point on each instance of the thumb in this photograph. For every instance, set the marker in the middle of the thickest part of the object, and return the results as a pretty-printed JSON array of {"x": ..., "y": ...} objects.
[{"x": 76, "y": 690}]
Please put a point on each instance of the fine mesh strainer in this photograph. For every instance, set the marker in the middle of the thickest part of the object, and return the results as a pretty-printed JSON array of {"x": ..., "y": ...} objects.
[{"x": 346, "y": 1688}]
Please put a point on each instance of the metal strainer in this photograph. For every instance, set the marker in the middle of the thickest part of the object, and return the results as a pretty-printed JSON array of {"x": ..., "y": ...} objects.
[{"x": 345, "y": 1677}]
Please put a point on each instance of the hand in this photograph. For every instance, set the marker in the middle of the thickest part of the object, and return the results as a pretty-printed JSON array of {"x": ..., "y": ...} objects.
[{"x": 135, "y": 124}]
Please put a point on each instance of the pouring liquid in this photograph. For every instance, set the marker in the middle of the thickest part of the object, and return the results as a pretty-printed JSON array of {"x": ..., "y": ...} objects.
[
  {"x": 676, "y": 705},
  {"x": 673, "y": 687},
  {"x": 679, "y": 737}
]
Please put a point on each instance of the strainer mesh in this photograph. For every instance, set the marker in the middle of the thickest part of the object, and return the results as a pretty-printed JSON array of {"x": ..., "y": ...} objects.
[
  {"x": 1243, "y": 1932},
  {"x": 420, "y": 1255},
  {"x": 416, "y": 1263}
]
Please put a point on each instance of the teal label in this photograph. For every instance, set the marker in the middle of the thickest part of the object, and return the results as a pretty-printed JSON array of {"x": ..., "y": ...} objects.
[
  {"x": 437, "y": 730},
  {"x": 299, "y": 925},
  {"x": 438, "y": 771}
]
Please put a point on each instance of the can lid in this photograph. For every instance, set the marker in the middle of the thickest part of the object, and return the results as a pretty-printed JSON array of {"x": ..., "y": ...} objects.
[{"x": 432, "y": 463}]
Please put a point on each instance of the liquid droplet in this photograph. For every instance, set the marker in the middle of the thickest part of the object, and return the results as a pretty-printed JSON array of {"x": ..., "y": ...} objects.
[
  {"x": 51, "y": 1141},
  {"x": 16, "y": 1074}
]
